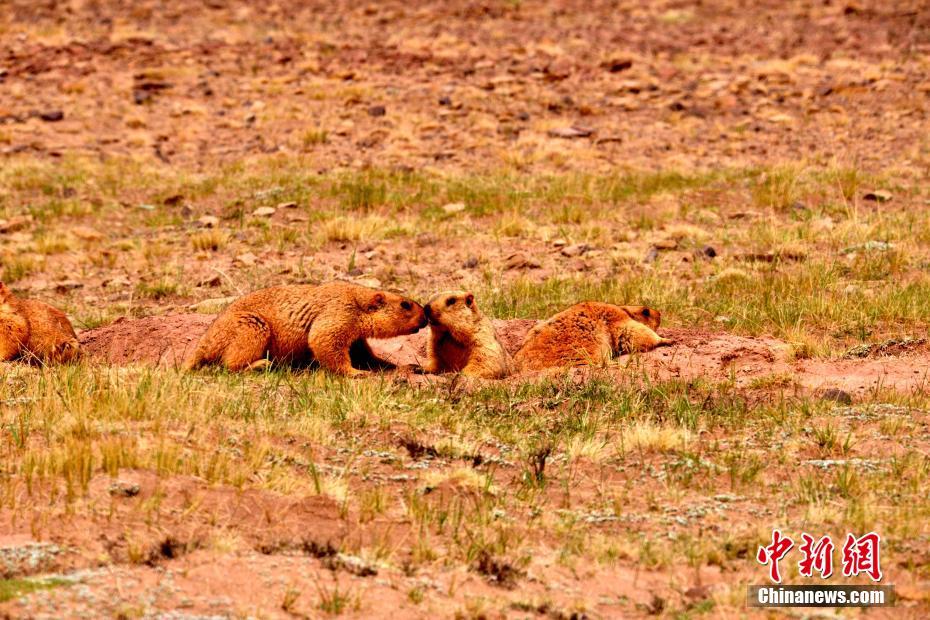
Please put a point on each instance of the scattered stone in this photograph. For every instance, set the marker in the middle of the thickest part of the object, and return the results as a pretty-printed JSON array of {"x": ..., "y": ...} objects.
[
  {"x": 211, "y": 306},
  {"x": 377, "y": 110},
  {"x": 124, "y": 489},
  {"x": 559, "y": 243},
  {"x": 869, "y": 246},
  {"x": 208, "y": 221},
  {"x": 878, "y": 195},
  {"x": 445, "y": 100},
  {"x": 67, "y": 285},
  {"x": 173, "y": 200},
  {"x": 666, "y": 244},
  {"x": 351, "y": 564},
  {"x": 15, "y": 223},
  {"x": 836, "y": 395},
  {"x": 264, "y": 212},
  {"x": 570, "y": 132},
  {"x": 248, "y": 259},
  {"x": 709, "y": 251},
  {"x": 616, "y": 65},
  {"x": 471, "y": 263},
  {"x": 520, "y": 261},
  {"x": 147, "y": 207},
  {"x": 297, "y": 217},
  {"x": 214, "y": 280},
  {"x": 117, "y": 282},
  {"x": 576, "y": 249},
  {"x": 454, "y": 207},
  {"x": 52, "y": 116},
  {"x": 287, "y": 205},
  {"x": 893, "y": 346},
  {"x": 651, "y": 255}
]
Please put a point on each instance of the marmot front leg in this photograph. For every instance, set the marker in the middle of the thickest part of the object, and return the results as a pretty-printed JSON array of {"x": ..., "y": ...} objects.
[
  {"x": 634, "y": 336},
  {"x": 248, "y": 344},
  {"x": 331, "y": 350}
]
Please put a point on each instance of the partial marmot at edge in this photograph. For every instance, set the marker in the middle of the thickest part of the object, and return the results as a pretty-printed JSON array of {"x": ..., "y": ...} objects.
[
  {"x": 296, "y": 324},
  {"x": 462, "y": 339},
  {"x": 590, "y": 332},
  {"x": 34, "y": 331}
]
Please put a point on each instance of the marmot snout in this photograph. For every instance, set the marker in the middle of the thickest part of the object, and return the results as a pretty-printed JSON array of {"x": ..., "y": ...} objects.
[{"x": 462, "y": 339}]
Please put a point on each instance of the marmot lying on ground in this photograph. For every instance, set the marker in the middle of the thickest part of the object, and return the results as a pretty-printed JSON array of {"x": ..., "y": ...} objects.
[
  {"x": 462, "y": 339},
  {"x": 590, "y": 332},
  {"x": 299, "y": 323},
  {"x": 34, "y": 331}
]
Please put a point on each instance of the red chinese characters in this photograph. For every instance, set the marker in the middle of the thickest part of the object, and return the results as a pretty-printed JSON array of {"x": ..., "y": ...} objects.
[
  {"x": 861, "y": 555},
  {"x": 817, "y": 556},
  {"x": 773, "y": 553}
]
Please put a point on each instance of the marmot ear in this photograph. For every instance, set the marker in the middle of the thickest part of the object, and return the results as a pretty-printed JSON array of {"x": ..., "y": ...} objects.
[
  {"x": 376, "y": 302},
  {"x": 469, "y": 300}
]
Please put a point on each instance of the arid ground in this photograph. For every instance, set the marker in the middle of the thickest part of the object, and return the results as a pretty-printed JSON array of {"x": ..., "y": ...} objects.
[{"x": 758, "y": 171}]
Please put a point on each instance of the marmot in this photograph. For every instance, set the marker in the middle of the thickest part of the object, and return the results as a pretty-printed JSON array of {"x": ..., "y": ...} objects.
[
  {"x": 298, "y": 323},
  {"x": 590, "y": 332},
  {"x": 34, "y": 331},
  {"x": 462, "y": 339}
]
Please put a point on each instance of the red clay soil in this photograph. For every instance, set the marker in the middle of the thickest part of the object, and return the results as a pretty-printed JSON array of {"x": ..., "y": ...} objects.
[{"x": 166, "y": 341}]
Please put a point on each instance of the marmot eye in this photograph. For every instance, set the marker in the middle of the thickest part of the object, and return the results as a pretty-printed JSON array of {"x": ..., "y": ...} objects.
[
  {"x": 645, "y": 311},
  {"x": 405, "y": 305},
  {"x": 450, "y": 301}
]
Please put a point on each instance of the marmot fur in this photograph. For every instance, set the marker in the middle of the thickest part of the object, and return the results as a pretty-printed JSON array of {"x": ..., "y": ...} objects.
[{"x": 34, "y": 331}]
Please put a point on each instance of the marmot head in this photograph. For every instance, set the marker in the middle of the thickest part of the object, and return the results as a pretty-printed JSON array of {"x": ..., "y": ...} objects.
[
  {"x": 391, "y": 314},
  {"x": 647, "y": 316},
  {"x": 455, "y": 312}
]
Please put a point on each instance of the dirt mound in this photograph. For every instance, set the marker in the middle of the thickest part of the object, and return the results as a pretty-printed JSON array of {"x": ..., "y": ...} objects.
[
  {"x": 160, "y": 340},
  {"x": 166, "y": 340}
]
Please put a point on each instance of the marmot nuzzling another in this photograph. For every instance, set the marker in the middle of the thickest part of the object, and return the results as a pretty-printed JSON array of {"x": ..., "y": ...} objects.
[
  {"x": 298, "y": 323},
  {"x": 590, "y": 332},
  {"x": 34, "y": 331},
  {"x": 462, "y": 339}
]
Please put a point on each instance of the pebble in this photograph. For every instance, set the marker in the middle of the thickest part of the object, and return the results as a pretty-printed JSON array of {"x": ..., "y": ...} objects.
[
  {"x": 264, "y": 212},
  {"x": 208, "y": 221}
]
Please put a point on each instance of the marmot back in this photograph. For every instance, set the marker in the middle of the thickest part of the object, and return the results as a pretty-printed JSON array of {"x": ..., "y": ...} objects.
[
  {"x": 462, "y": 339},
  {"x": 296, "y": 324},
  {"x": 34, "y": 331},
  {"x": 590, "y": 333}
]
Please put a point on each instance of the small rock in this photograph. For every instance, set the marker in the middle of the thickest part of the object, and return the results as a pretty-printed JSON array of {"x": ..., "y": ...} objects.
[
  {"x": 52, "y": 116},
  {"x": 576, "y": 249},
  {"x": 117, "y": 282},
  {"x": 288, "y": 205},
  {"x": 616, "y": 65},
  {"x": 211, "y": 306},
  {"x": 264, "y": 212},
  {"x": 248, "y": 259},
  {"x": 559, "y": 243},
  {"x": 377, "y": 110},
  {"x": 124, "y": 489},
  {"x": 186, "y": 212},
  {"x": 836, "y": 395},
  {"x": 297, "y": 217},
  {"x": 471, "y": 263},
  {"x": 666, "y": 244},
  {"x": 878, "y": 195},
  {"x": 520, "y": 261},
  {"x": 208, "y": 221},
  {"x": 15, "y": 223},
  {"x": 709, "y": 251},
  {"x": 651, "y": 255},
  {"x": 147, "y": 207},
  {"x": 214, "y": 280},
  {"x": 445, "y": 100},
  {"x": 369, "y": 282},
  {"x": 570, "y": 132},
  {"x": 173, "y": 200},
  {"x": 454, "y": 207},
  {"x": 67, "y": 285}
]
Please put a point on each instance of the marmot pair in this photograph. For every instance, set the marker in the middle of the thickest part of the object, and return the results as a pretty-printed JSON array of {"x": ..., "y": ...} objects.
[{"x": 464, "y": 340}]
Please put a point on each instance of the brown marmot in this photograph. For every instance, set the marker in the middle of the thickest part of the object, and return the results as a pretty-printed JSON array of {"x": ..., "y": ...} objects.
[
  {"x": 462, "y": 339},
  {"x": 590, "y": 332},
  {"x": 34, "y": 331},
  {"x": 296, "y": 324}
]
